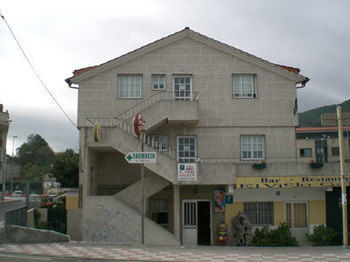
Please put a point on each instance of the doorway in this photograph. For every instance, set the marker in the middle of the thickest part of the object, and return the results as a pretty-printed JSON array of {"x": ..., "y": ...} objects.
[{"x": 196, "y": 225}]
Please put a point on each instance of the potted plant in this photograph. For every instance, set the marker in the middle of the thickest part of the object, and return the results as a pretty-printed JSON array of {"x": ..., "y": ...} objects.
[
  {"x": 260, "y": 165},
  {"x": 314, "y": 164}
]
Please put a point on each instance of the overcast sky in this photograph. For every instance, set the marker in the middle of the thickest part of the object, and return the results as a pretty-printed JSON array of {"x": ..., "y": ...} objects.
[{"x": 60, "y": 36}]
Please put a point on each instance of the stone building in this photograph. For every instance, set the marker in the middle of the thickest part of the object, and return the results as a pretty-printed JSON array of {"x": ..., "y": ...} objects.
[
  {"x": 222, "y": 122},
  {"x": 4, "y": 126}
]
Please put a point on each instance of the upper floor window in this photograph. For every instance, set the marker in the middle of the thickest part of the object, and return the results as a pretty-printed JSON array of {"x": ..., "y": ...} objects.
[
  {"x": 252, "y": 147},
  {"x": 244, "y": 86},
  {"x": 158, "y": 82},
  {"x": 160, "y": 142},
  {"x": 182, "y": 87},
  {"x": 129, "y": 86},
  {"x": 305, "y": 152}
]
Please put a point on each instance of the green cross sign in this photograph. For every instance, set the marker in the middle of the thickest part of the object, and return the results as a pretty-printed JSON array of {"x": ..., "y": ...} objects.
[{"x": 141, "y": 157}]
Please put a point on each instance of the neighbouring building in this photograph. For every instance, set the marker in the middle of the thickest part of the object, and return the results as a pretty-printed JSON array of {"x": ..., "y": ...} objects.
[
  {"x": 319, "y": 146},
  {"x": 222, "y": 122},
  {"x": 4, "y": 127}
]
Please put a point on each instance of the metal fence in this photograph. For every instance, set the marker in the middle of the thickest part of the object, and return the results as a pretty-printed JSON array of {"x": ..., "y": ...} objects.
[{"x": 16, "y": 217}]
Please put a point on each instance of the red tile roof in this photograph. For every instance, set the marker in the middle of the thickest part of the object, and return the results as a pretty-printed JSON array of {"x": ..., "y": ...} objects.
[{"x": 85, "y": 69}]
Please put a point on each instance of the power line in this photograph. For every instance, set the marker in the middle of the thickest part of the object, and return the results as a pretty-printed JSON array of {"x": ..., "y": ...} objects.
[{"x": 37, "y": 75}]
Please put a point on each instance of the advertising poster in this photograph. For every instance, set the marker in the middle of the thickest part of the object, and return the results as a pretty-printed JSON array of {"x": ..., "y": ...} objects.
[{"x": 219, "y": 200}]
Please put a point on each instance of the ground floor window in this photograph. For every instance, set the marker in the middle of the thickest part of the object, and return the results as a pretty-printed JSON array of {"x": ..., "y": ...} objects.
[
  {"x": 159, "y": 211},
  {"x": 296, "y": 216},
  {"x": 259, "y": 213}
]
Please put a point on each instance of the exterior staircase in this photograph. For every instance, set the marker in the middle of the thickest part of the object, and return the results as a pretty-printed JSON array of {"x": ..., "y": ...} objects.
[{"x": 116, "y": 218}]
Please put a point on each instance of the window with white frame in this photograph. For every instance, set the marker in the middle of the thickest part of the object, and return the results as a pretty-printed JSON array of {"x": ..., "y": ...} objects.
[
  {"x": 158, "y": 82},
  {"x": 259, "y": 213},
  {"x": 252, "y": 147},
  {"x": 160, "y": 142},
  {"x": 129, "y": 86},
  {"x": 182, "y": 88},
  {"x": 186, "y": 148},
  {"x": 244, "y": 86}
]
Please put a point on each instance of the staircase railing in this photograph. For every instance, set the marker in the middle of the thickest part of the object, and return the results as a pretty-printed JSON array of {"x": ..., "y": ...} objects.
[
  {"x": 129, "y": 129},
  {"x": 152, "y": 100}
]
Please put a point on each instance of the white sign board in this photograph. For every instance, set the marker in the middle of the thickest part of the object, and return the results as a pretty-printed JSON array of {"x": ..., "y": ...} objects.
[
  {"x": 187, "y": 172},
  {"x": 141, "y": 157}
]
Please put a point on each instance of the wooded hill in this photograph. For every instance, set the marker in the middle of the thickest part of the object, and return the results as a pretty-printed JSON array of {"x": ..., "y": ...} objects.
[{"x": 313, "y": 117}]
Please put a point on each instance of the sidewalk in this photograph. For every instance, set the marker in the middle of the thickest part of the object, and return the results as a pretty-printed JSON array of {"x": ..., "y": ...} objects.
[{"x": 148, "y": 253}]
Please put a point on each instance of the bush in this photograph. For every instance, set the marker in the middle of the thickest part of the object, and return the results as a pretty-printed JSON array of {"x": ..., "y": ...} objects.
[
  {"x": 45, "y": 225},
  {"x": 324, "y": 236},
  {"x": 37, "y": 216},
  {"x": 280, "y": 236}
]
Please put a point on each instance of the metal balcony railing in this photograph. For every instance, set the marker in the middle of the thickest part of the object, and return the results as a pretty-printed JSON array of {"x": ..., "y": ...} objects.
[
  {"x": 129, "y": 129},
  {"x": 145, "y": 103}
]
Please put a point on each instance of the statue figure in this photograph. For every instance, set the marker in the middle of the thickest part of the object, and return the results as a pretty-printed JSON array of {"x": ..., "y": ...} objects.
[{"x": 240, "y": 233}]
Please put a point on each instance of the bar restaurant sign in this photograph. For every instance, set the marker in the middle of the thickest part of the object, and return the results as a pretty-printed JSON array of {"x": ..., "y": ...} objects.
[{"x": 290, "y": 182}]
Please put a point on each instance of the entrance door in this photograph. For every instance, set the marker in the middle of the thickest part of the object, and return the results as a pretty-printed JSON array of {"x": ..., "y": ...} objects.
[
  {"x": 296, "y": 218},
  {"x": 204, "y": 223},
  {"x": 196, "y": 229}
]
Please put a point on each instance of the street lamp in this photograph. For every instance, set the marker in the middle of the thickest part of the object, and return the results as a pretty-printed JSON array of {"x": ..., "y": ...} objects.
[{"x": 13, "y": 150}]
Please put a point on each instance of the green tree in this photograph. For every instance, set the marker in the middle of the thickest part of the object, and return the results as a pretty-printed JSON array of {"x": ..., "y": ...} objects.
[
  {"x": 35, "y": 156},
  {"x": 31, "y": 172},
  {"x": 66, "y": 168}
]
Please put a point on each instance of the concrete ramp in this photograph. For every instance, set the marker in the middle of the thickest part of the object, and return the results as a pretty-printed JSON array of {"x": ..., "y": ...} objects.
[{"x": 107, "y": 219}]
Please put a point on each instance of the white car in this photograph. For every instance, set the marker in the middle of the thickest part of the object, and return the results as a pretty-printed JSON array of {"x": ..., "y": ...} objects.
[{"x": 17, "y": 193}]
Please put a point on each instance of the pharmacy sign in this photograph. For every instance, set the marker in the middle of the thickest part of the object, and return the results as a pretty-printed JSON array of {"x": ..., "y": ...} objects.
[{"x": 141, "y": 157}]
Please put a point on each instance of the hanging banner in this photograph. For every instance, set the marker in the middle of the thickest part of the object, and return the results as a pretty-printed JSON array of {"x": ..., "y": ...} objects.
[{"x": 290, "y": 182}]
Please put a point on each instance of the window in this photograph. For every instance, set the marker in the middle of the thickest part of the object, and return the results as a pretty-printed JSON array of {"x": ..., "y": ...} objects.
[
  {"x": 296, "y": 216},
  {"x": 160, "y": 142},
  {"x": 158, "y": 82},
  {"x": 159, "y": 211},
  {"x": 335, "y": 151},
  {"x": 259, "y": 213},
  {"x": 244, "y": 86},
  {"x": 305, "y": 152},
  {"x": 190, "y": 214},
  {"x": 186, "y": 148},
  {"x": 130, "y": 86},
  {"x": 182, "y": 88},
  {"x": 252, "y": 147}
]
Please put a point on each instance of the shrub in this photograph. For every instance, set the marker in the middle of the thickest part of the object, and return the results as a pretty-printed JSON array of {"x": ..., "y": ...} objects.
[
  {"x": 323, "y": 236},
  {"x": 37, "y": 216},
  {"x": 45, "y": 225},
  {"x": 280, "y": 236}
]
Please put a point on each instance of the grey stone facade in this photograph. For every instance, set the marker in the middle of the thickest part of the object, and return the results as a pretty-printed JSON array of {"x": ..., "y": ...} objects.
[{"x": 212, "y": 116}]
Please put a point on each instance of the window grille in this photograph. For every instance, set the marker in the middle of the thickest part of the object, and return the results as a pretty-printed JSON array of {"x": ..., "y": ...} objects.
[
  {"x": 190, "y": 214},
  {"x": 159, "y": 205},
  {"x": 259, "y": 213},
  {"x": 160, "y": 142},
  {"x": 130, "y": 86}
]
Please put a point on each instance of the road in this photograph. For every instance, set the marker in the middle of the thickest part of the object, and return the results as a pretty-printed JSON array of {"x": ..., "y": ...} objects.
[{"x": 9, "y": 205}]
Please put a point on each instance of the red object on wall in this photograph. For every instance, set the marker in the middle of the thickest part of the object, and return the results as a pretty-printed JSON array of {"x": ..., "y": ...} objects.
[{"x": 138, "y": 124}]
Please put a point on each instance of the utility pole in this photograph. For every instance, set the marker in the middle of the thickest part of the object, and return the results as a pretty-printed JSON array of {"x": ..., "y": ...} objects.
[
  {"x": 343, "y": 187},
  {"x": 142, "y": 192}
]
